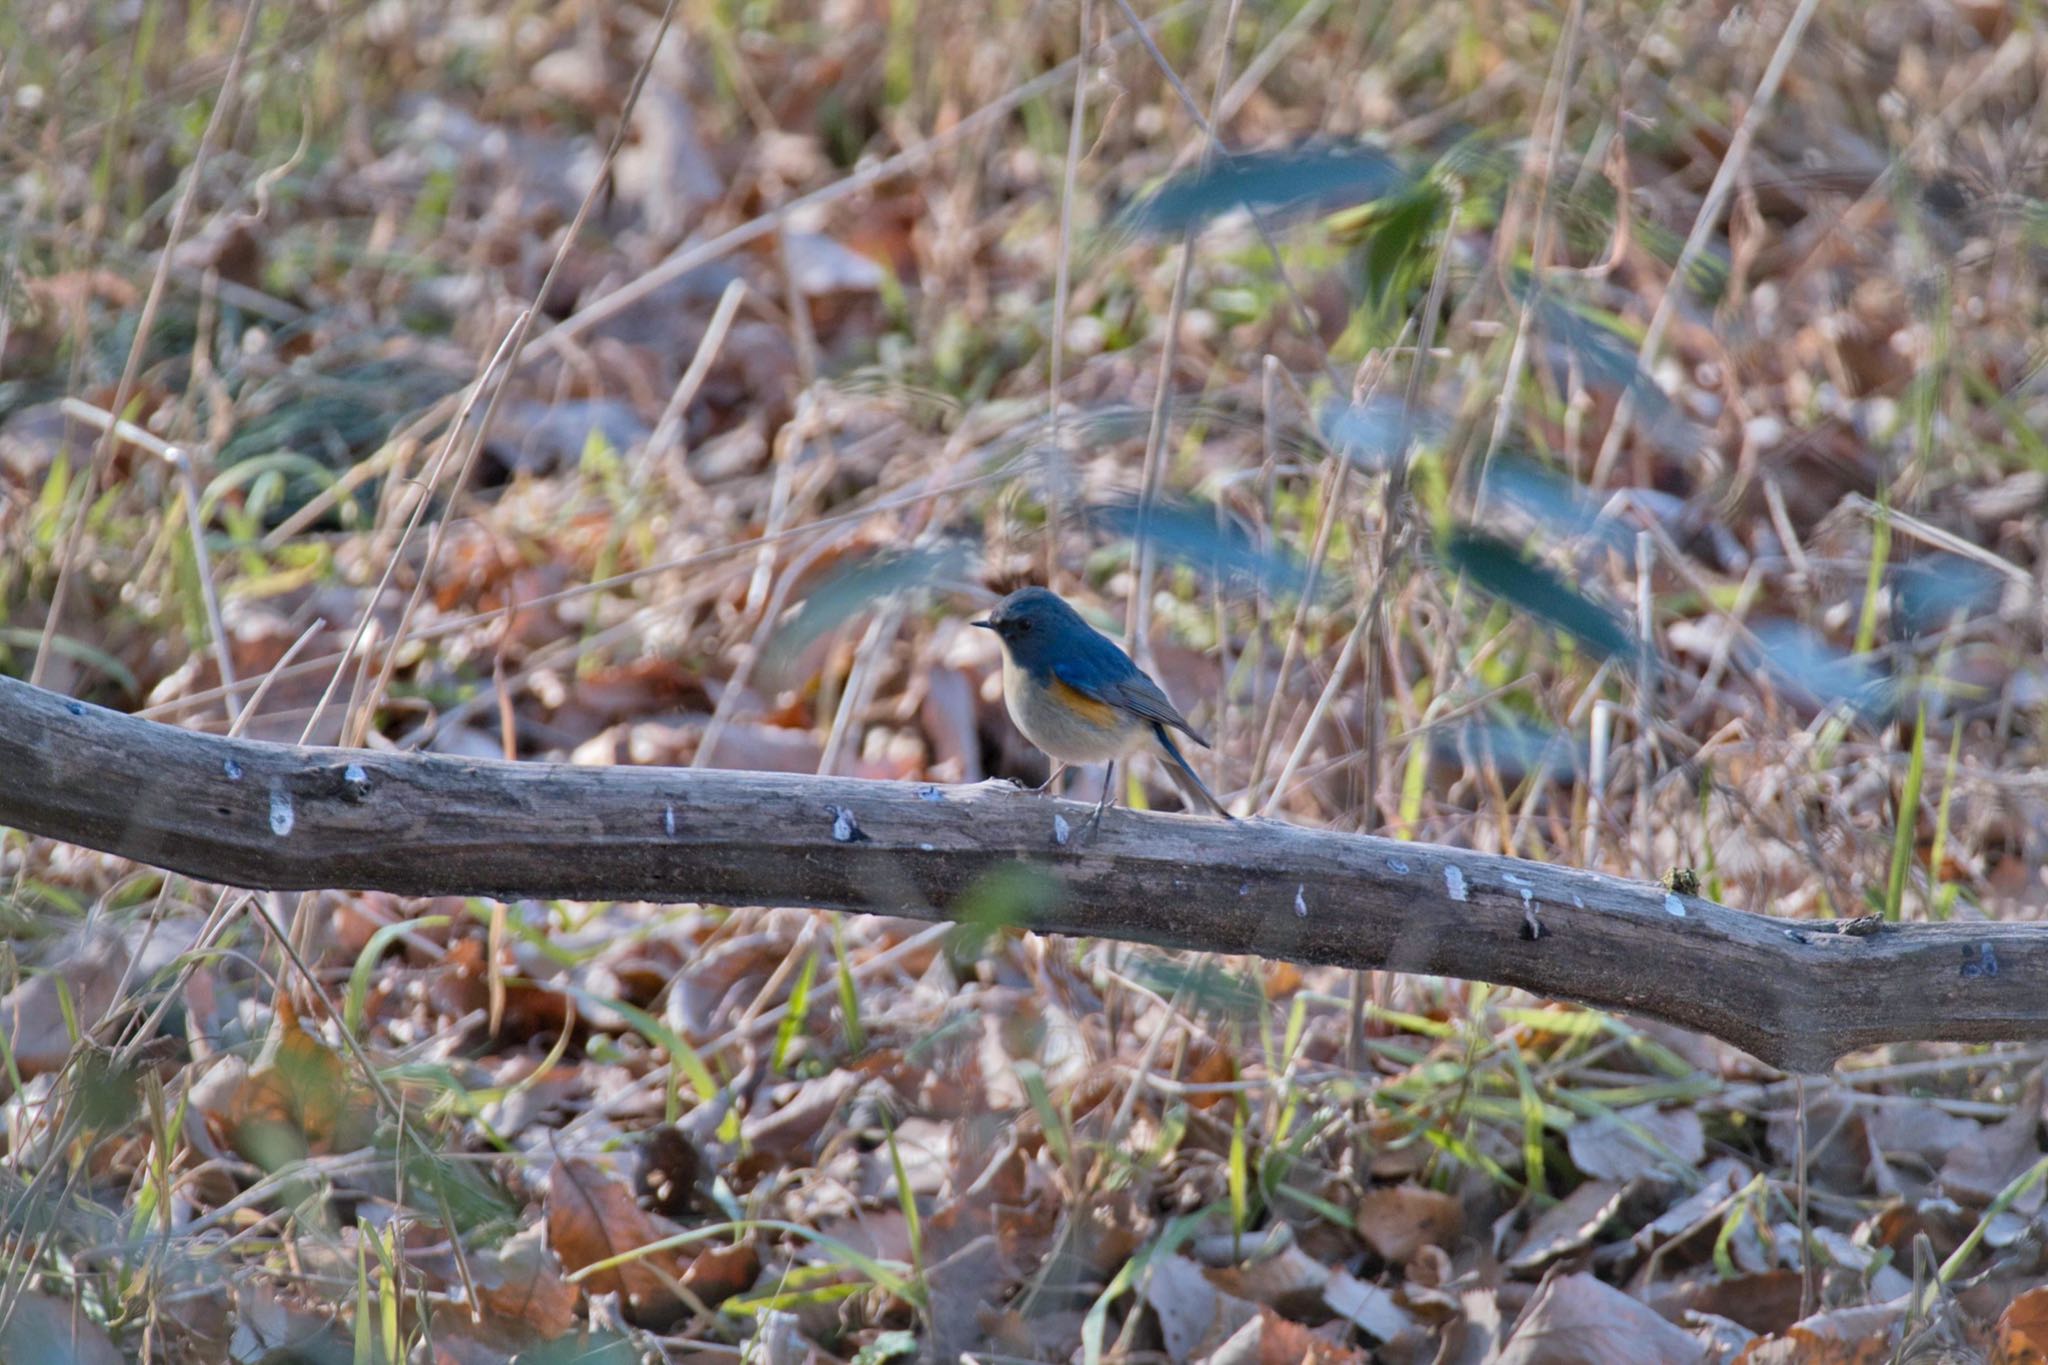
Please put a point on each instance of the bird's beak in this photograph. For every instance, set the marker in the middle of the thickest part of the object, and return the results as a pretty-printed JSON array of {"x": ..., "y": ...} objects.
[{"x": 985, "y": 625}]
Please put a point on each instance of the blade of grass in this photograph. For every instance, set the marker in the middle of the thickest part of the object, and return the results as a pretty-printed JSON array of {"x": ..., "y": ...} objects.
[
  {"x": 1941, "y": 897},
  {"x": 2014, "y": 1191},
  {"x": 907, "y": 1200},
  {"x": 683, "y": 1058},
  {"x": 1908, "y": 820},
  {"x": 799, "y": 1006},
  {"x": 1873, "y": 580},
  {"x": 366, "y": 964},
  {"x": 849, "y": 997},
  {"x": 1240, "y": 1200},
  {"x": 882, "y": 1273}
]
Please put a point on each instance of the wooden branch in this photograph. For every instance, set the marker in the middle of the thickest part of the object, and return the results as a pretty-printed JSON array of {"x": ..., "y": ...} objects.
[{"x": 283, "y": 818}]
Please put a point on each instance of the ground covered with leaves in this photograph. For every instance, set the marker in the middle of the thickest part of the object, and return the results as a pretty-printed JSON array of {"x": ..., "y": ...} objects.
[{"x": 1606, "y": 435}]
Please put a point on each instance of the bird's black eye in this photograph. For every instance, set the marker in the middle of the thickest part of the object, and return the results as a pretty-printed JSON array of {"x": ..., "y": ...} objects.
[{"x": 1021, "y": 627}]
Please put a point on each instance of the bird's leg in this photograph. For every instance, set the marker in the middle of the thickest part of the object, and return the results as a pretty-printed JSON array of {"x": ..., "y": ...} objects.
[
  {"x": 1108, "y": 795},
  {"x": 1058, "y": 767}
]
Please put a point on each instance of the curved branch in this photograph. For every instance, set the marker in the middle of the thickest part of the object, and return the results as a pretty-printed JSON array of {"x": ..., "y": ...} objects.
[{"x": 279, "y": 817}]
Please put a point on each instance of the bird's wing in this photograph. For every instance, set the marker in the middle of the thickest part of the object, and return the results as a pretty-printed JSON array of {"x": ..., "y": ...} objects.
[{"x": 1126, "y": 687}]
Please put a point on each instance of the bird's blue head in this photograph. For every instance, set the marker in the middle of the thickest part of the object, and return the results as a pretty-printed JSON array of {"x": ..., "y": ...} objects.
[{"x": 1037, "y": 628}]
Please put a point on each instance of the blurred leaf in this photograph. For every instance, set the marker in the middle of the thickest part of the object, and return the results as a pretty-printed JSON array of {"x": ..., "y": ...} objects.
[
  {"x": 1373, "y": 433},
  {"x": 1557, "y": 504},
  {"x": 1378, "y": 1311},
  {"x": 1929, "y": 594},
  {"x": 1502, "y": 570},
  {"x": 1004, "y": 898},
  {"x": 72, "y": 648},
  {"x": 1280, "y": 185},
  {"x": 595, "y": 1348},
  {"x": 1998, "y": 1157},
  {"x": 1216, "y": 546},
  {"x": 858, "y": 586},
  {"x": 301, "y": 1097},
  {"x": 1399, "y": 234},
  {"x": 519, "y": 1283},
  {"x": 460, "y": 1190},
  {"x": 1607, "y": 361},
  {"x": 1194, "y": 1316},
  {"x": 1516, "y": 749},
  {"x": 1210, "y": 988},
  {"x": 1793, "y": 655},
  {"x": 898, "y": 1345},
  {"x": 109, "y": 1092},
  {"x": 2022, "y": 1333}
]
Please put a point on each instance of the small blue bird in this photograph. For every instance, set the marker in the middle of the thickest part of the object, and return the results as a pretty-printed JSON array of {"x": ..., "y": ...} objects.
[{"x": 1078, "y": 697}]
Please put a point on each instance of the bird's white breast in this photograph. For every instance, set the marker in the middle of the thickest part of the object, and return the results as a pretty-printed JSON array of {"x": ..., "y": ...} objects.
[{"x": 1057, "y": 729}]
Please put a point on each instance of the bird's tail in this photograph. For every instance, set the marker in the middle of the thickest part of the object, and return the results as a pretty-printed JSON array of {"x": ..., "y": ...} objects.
[{"x": 1186, "y": 776}]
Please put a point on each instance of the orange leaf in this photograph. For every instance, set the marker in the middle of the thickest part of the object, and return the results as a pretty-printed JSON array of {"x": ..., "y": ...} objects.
[{"x": 2022, "y": 1334}]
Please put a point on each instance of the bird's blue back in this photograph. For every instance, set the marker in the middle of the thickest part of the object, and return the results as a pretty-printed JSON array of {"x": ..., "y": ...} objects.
[{"x": 1093, "y": 660}]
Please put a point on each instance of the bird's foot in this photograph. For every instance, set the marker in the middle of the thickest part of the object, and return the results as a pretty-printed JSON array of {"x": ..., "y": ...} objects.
[{"x": 1094, "y": 822}]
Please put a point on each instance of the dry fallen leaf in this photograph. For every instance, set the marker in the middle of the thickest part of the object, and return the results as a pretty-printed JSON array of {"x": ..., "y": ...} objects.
[
  {"x": 1577, "y": 1320},
  {"x": 521, "y": 1279},
  {"x": 48, "y": 1331},
  {"x": 1475, "y": 1335},
  {"x": 2021, "y": 1337},
  {"x": 793, "y": 1116},
  {"x": 1194, "y": 1316},
  {"x": 32, "y": 1014},
  {"x": 1977, "y": 1170},
  {"x": 1374, "y": 1310},
  {"x": 1698, "y": 1213},
  {"x": 1918, "y": 1128},
  {"x": 1568, "y": 1225},
  {"x": 970, "y": 1282},
  {"x": 1763, "y": 1303},
  {"x": 1270, "y": 1339},
  {"x": 1843, "y": 1336},
  {"x": 1636, "y": 1142},
  {"x": 299, "y": 1096},
  {"x": 1396, "y": 1221},
  {"x": 722, "y": 1270},
  {"x": 592, "y": 1216}
]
